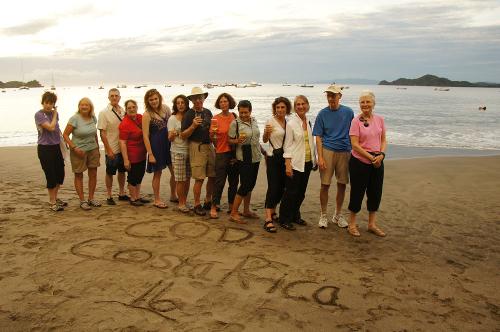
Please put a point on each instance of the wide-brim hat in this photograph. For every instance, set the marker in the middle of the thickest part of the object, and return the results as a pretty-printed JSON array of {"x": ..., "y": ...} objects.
[
  {"x": 334, "y": 89},
  {"x": 196, "y": 91}
]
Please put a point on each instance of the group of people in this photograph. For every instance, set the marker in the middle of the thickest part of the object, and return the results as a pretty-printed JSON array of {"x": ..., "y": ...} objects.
[{"x": 194, "y": 143}]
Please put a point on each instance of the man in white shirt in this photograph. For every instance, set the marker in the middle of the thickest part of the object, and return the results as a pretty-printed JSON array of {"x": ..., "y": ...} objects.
[{"x": 108, "y": 123}]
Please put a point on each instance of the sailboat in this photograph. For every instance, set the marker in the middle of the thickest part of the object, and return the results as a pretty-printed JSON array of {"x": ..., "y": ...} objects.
[
  {"x": 52, "y": 86},
  {"x": 24, "y": 87}
]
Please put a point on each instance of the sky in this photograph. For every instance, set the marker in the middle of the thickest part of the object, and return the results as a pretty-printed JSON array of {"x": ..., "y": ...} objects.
[{"x": 273, "y": 41}]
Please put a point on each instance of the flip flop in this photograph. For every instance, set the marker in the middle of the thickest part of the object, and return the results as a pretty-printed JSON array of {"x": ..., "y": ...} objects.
[
  {"x": 175, "y": 200},
  {"x": 251, "y": 215},
  {"x": 238, "y": 221},
  {"x": 160, "y": 205}
]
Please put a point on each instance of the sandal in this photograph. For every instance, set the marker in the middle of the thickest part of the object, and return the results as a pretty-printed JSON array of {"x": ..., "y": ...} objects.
[
  {"x": 353, "y": 230},
  {"x": 269, "y": 227},
  {"x": 84, "y": 205},
  {"x": 174, "y": 200},
  {"x": 62, "y": 203},
  {"x": 183, "y": 209},
  {"x": 94, "y": 203},
  {"x": 56, "y": 207},
  {"x": 160, "y": 205},
  {"x": 238, "y": 221},
  {"x": 377, "y": 231}
]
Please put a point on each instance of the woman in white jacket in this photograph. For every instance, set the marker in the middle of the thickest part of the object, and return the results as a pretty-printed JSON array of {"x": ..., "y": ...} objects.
[{"x": 300, "y": 159}]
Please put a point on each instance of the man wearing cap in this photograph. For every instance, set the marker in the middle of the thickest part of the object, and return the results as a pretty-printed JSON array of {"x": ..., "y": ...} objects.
[
  {"x": 108, "y": 123},
  {"x": 334, "y": 150},
  {"x": 195, "y": 127}
]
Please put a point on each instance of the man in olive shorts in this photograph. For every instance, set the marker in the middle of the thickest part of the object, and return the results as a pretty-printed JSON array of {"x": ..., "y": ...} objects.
[
  {"x": 195, "y": 127},
  {"x": 334, "y": 150}
]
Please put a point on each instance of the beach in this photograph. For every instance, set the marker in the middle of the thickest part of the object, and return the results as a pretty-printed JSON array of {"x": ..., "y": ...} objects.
[{"x": 125, "y": 268}]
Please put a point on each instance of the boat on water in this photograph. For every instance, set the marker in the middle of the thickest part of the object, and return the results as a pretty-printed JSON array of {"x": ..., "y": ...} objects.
[
  {"x": 3, "y": 91},
  {"x": 441, "y": 89},
  {"x": 401, "y": 88},
  {"x": 101, "y": 87},
  {"x": 286, "y": 84},
  {"x": 306, "y": 85},
  {"x": 121, "y": 86},
  {"x": 168, "y": 85},
  {"x": 208, "y": 85},
  {"x": 24, "y": 87},
  {"x": 253, "y": 84}
]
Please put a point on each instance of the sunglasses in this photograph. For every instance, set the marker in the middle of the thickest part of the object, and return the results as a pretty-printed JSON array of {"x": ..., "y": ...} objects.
[{"x": 365, "y": 122}]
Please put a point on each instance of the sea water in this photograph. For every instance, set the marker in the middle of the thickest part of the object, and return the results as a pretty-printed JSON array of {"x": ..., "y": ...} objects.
[{"x": 414, "y": 116}]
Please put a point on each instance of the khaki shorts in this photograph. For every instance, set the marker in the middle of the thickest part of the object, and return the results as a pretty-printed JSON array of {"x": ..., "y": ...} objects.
[
  {"x": 202, "y": 159},
  {"x": 90, "y": 160},
  {"x": 335, "y": 162}
]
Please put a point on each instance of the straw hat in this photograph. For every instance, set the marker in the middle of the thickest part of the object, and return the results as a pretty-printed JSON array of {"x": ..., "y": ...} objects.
[
  {"x": 334, "y": 89},
  {"x": 197, "y": 91}
]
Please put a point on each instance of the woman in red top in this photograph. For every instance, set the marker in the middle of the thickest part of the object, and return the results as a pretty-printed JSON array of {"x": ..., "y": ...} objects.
[
  {"x": 225, "y": 159},
  {"x": 133, "y": 151}
]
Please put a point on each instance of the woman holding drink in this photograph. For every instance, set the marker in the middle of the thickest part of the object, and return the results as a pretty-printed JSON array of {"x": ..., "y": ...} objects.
[
  {"x": 225, "y": 159},
  {"x": 244, "y": 132},
  {"x": 179, "y": 151},
  {"x": 274, "y": 133}
]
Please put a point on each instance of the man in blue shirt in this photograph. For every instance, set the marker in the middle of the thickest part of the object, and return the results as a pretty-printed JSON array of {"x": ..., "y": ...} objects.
[{"x": 334, "y": 150}]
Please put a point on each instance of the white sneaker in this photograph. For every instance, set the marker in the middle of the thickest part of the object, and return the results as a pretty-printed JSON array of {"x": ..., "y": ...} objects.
[
  {"x": 340, "y": 221},
  {"x": 323, "y": 221}
]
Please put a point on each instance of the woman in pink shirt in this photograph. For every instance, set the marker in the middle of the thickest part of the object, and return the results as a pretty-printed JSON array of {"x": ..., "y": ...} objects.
[{"x": 366, "y": 167}]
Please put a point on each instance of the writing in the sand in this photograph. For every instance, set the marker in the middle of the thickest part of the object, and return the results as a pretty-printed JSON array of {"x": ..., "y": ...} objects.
[{"x": 251, "y": 269}]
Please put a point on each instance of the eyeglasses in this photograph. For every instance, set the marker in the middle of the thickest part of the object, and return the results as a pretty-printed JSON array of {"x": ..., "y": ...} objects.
[{"x": 365, "y": 122}]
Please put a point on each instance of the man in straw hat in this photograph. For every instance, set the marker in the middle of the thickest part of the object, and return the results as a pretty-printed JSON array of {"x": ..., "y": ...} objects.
[
  {"x": 334, "y": 150},
  {"x": 195, "y": 127}
]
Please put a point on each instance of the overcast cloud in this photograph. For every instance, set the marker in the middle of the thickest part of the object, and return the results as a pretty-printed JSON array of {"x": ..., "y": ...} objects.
[{"x": 267, "y": 41}]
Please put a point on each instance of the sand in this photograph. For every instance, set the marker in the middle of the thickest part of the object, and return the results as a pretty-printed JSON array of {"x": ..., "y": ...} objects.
[{"x": 124, "y": 268}]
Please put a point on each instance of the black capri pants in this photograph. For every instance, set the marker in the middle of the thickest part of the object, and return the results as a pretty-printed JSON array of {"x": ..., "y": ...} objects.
[
  {"x": 224, "y": 169},
  {"x": 136, "y": 173},
  {"x": 365, "y": 179},
  {"x": 276, "y": 177},
  {"x": 52, "y": 162},
  {"x": 248, "y": 177},
  {"x": 295, "y": 192}
]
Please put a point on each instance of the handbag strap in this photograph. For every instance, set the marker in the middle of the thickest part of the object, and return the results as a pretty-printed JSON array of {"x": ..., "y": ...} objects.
[{"x": 282, "y": 143}]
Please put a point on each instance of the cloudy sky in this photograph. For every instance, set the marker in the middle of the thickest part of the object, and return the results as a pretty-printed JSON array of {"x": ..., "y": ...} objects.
[{"x": 94, "y": 42}]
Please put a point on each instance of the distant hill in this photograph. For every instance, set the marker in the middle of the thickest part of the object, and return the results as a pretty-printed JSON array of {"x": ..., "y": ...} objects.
[
  {"x": 432, "y": 80},
  {"x": 18, "y": 84}
]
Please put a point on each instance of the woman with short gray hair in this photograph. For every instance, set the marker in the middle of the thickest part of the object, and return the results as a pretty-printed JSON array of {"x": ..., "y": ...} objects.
[{"x": 366, "y": 166}]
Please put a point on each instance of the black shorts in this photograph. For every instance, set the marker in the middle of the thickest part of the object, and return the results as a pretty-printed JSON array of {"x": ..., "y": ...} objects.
[
  {"x": 136, "y": 173},
  {"x": 113, "y": 165},
  {"x": 52, "y": 163}
]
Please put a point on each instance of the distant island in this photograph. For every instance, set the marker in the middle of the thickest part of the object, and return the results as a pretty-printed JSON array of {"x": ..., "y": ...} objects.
[
  {"x": 432, "y": 80},
  {"x": 18, "y": 84}
]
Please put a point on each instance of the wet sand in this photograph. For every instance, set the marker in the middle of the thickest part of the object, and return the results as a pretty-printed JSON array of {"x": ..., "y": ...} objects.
[{"x": 124, "y": 268}]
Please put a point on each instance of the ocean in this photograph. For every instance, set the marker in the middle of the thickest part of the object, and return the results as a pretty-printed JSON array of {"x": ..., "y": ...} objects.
[{"x": 416, "y": 117}]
